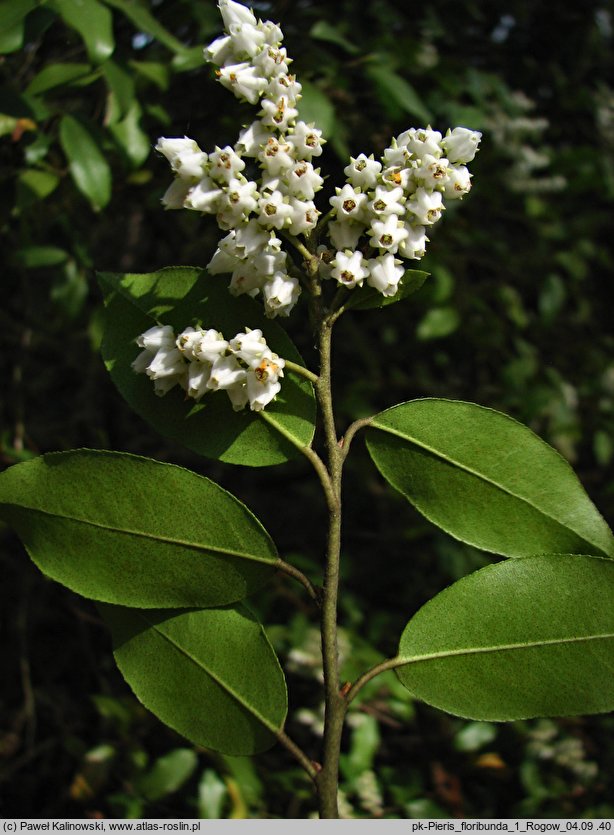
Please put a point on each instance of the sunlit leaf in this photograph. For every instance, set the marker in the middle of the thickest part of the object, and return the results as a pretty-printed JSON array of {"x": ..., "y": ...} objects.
[
  {"x": 12, "y": 19},
  {"x": 523, "y": 638},
  {"x": 88, "y": 165},
  {"x": 93, "y": 21},
  {"x": 211, "y": 674},
  {"x": 130, "y": 530},
  {"x": 179, "y": 296},
  {"x": 486, "y": 479}
]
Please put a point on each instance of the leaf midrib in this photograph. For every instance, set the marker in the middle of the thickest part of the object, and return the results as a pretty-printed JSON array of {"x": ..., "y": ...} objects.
[
  {"x": 272, "y": 560},
  {"x": 226, "y": 687},
  {"x": 469, "y": 651},
  {"x": 444, "y": 457}
]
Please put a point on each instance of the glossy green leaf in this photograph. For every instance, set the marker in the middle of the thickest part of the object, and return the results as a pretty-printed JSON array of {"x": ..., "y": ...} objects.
[
  {"x": 121, "y": 84},
  {"x": 129, "y": 530},
  {"x": 88, "y": 166},
  {"x": 57, "y": 75},
  {"x": 178, "y": 296},
  {"x": 523, "y": 638},
  {"x": 211, "y": 675},
  {"x": 134, "y": 142},
  {"x": 486, "y": 479},
  {"x": 367, "y": 298},
  {"x": 392, "y": 87},
  {"x": 12, "y": 22},
  {"x": 93, "y": 21}
]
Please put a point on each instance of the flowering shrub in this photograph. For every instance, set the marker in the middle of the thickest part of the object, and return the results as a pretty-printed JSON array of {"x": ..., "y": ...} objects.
[{"x": 171, "y": 557}]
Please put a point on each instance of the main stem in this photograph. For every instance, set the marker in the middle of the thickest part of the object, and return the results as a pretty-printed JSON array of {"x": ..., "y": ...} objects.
[{"x": 335, "y": 703}]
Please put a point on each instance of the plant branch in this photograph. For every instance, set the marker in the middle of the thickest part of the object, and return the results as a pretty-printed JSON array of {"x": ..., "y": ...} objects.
[
  {"x": 382, "y": 667},
  {"x": 335, "y": 706},
  {"x": 294, "y": 572},
  {"x": 352, "y": 429},
  {"x": 301, "y": 371},
  {"x": 309, "y": 453},
  {"x": 311, "y": 768}
]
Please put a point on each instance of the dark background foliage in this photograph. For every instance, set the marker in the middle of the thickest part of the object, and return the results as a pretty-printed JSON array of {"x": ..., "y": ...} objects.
[{"x": 516, "y": 315}]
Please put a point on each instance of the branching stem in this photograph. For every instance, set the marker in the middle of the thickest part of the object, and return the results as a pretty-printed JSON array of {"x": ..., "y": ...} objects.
[
  {"x": 311, "y": 768},
  {"x": 389, "y": 664},
  {"x": 292, "y": 571},
  {"x": 301, "y": 371}
]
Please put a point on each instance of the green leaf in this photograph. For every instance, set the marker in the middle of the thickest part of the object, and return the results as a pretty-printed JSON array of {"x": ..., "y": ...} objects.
[
  {"x": 367, "y": 298},
  {"x": 57, "y": 75},
  {"x": 523, "y": 638},
  {"x": 33, "y": 185},
  {"x": 167, "y": 775},
  {"x": 155, "y": 72},
  {"x": 129, "y": 530},
  {"x": 12, "y": 22},
  {"x": 130, "y": 136},
  {"x": 146, "y": 22},
  {"x": 438, "y": 323},
  {"x": 212, "y": 793},
  {"x": 121, "y": 84},
  {"x": 178, "y": 296},
  {"x": 189, "y": 59},
  {"x": 88, "y": 167},
  {"x": 211, "y": 675},
  {"x": 93, "y": 21},
  {"x": 486, "y": 479},
  {"x": 33, "y": 257},
  {"x": 325, "y": 31},
  {"x": 393, "y": 88}
]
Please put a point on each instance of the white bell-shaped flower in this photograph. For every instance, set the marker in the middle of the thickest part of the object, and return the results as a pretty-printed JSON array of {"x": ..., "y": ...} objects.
[
  {"x": 385, "y": 272},
  {"x": 348, "y": 202},
  {"x": 461, "y": 144},
  {"x": 176, "y": 194},
  {"x": 413, "y": 246},
  {"x": 233, "y": 13},
  {"x": 306, "y": 140},
  {"x": 421, "y": 141},
  {"x": 198, "y": 378},
  {"x": 458, "y": 183},
  {"x": 211, "y": 346},
  {"x": 280, "y": 293},
  {"x": 363, "y": 171},
  {"x": 387, "y": 233},
  {"x": 350, "y": 268},
  {"x": 225, "y": 373},
  {"x": 426, "y": 206},
  {"x": 250, "y": 346},
  {"x": 387, "y": 201},
  {"x": 243, "y": 80}
]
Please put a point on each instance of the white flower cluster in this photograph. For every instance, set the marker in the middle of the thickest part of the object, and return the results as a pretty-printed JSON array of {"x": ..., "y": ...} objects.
[
  {"x": 201, "y": 361},
  {"x": 392, "y": 203},
  {"x": 255, "y": 67},
  {"x": 384, "y": 209}
]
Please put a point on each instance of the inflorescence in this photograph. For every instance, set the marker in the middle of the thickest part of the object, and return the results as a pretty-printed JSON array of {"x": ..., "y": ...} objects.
[{"x": 379, "y": 217}]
